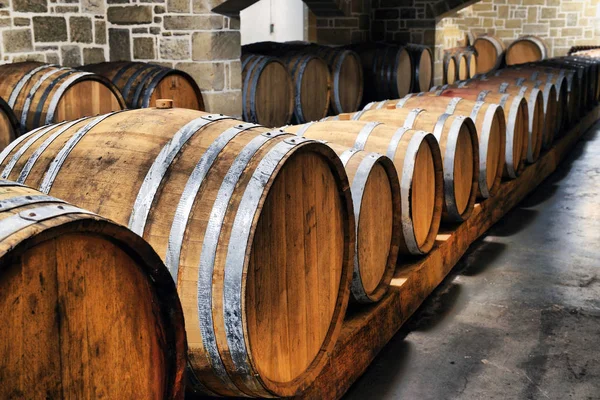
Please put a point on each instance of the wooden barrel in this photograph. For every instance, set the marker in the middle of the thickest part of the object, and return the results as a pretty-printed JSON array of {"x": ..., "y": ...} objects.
[
  {"x": 535, "y": 103},
  {"x": 490, "y": 53},
  {"x": 41, "y": 94},
  {"x": 516, "y": 114},
  {"x": 422, "y": 61},
  {"x": 88, "y": 309},
  {"x": 346, "y": 78},
  {"x": 450, "y": 70},
  {"x": 593, "y": 66},
  {"x": 267, "y": 91},
  {"x": 491, "y": 129},
  {"x": 9, "y": 125},
  {"x": 587, "y": 75},
  {"x": 387, "y": 70},
  {"x": 459, "y": 146},
  {"x": 240, "y": 214},
  {"x": 312, "y": 83},
  {"x": 526, "y": 49},
  {"x": 416, "y": 156},
  {"x": 375, "y": 188},
  {"x": 143, "y": 83},
  {"x": 525, "y": 76}
]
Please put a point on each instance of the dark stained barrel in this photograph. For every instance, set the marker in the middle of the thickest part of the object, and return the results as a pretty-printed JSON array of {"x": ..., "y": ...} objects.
[{"x": 9, "y": 125}]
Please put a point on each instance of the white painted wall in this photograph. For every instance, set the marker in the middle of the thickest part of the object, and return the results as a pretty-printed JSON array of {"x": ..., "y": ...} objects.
[{"x": 287, "y": 17}]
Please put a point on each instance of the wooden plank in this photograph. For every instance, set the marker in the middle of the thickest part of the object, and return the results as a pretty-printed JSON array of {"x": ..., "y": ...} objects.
[{"x": 367, "y": 330}]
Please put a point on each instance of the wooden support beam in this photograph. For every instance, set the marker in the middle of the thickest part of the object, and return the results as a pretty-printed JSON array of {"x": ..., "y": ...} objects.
[{"x": 368, "y": 329}]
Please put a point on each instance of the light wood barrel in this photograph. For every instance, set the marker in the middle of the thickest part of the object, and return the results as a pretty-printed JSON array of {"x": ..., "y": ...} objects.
[
  {"x": 450, "y": 70},
  {"x": 490, "y": 53},
  {"x": 88, "y": 309},
  {"x": 267, "y": 91},
  {"x": 526, "y": 49},
  {"x": 240, "y": 214},
  {"x": 467, "y": 63},
  {"x": 143, "y": 83},
  {"x": 535, "y": 104},
  {"x": 312, "y": 83},
  {"x": 459, "y": 146},
  {"x": 387, "y": 71},
  {"x": 9, "y": 125},
  {"x": 516, "y": 114},
  {"x": 416, "y": 156},
  {"x": 422, "y": 61},
  {"x": 347, "y": 82},
  {"x": 41, "y": 94},
  {"x": 375, "y": 188},
  {"x": 491, "y": 128}
]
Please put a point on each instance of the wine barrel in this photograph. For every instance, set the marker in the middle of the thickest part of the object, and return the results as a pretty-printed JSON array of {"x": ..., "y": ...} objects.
[
  {"x": 491, "y": 129},
  {"x": 490, "y": 53},
  {"x": 88, "y": 309},
  {"x": 594, "y": 70},
  {"x": 346, "y": 76},
  {"x": 143, "y": 83},
  {"x": 535, "y": 102},
  {"x": 41, "y": 94},
  {"x": 416, "y": 156},
  {"x": 450, "y": 70},
  {"x": 240, "y": 214},
  {"x": 375, "y": 188},
  {"x": 587, "y": 75},
  {"x": 564, "y": 108},
  {"x": 267, "y": 91},
  {"x": 387, "y": 71},
  {"x": 9, "y": 125},
  {"x": 459, "y": 146},
  {"x": 422, "y": 61},
  {"x": 312, "y": 82},
  {"x": 526, "y": 49},
  {"x": 516, "y": 114}
]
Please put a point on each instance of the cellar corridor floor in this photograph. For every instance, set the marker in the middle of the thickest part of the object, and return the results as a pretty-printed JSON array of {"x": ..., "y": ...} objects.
[{"x": 519, "y": 316}]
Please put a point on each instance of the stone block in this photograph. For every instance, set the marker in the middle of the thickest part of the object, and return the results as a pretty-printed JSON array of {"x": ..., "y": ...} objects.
[
  {"x": 21, "y": 21},
  {"x": 119, "y": 44},
  {"x": 222, "y": 45},
  {"x": 100, "y": 32},
  {"x": 93, "y": 55},
  {"x": 38, "y": 57},
  {"x": 210, "y": 76},
  {"x": 235, "y": 75},
  {"x": 52, "y": 58},
  {"x": 30, "y": 5},
  {"x": 50, "y": 29},
  {"x": 195, "y": 22},
  {"x": 71, "y": 55},
  {"x": 228, "y": 103},
  {"x": 178, "y": 6},
  {"x": 175, "y": 48},
  {"x": 17, "y": 40},
  {"x": 93, "y": 6},
  {"x": 143, "y": 48},
  {"x": 548, "y": 13},
  {"x": 204, "y": 6},
  {"x": 81, "y": 29},
  {"x": 65, "y": 9},
  {"x": 129, "y": 15}
]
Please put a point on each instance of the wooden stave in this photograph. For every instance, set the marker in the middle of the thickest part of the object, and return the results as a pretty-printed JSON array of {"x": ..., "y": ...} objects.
[
  {"x": 416, "y": 53},
  {"x": 139, "y": 87},
  {"x": 348, "y": 135},
  {"x": 297, "y": 63},
  {"x": 537, "y": 41},
  {"x": 62, "y": 218},
  {"x": 17, "y": 76},
  {"x": 249, "y": 82},
  {"x": 517, "y": 105},
  {"x": 11, "y": 131},
  {"x": 499, "y": 47},
  {"x": 483, "y": 114},
  {"x": 337, "y": 170},
  {"x": 447, "y": 139},
  {"x": 358, "y": 176}
]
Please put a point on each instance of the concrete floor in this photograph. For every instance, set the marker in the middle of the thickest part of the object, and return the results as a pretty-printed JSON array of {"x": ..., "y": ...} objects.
[{"x": 519, "y": 316}]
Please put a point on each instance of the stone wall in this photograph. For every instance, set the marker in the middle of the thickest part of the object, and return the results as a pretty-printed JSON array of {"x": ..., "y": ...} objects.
[
  {"x": 354, "y": 27},
  {"x": 561, "y": 24},
  {"x": 179, "y": 33}
]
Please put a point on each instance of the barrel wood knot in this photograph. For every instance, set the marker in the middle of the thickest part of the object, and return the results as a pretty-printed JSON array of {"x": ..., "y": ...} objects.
[
  {"x": 345, "y": 116},
  {"x": 164, "y": 104},
  {"x": 391, "y": 107}
]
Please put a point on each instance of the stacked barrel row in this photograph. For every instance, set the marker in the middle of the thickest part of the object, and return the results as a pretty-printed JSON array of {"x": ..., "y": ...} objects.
[
  {"x": 268, "y": 234},
  {"x": 303, "y": 82}
]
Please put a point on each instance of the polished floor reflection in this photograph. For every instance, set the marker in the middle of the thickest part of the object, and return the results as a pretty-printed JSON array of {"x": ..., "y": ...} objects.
[{"x": 519, "y": 317}]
